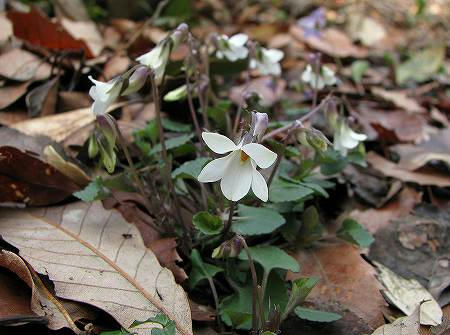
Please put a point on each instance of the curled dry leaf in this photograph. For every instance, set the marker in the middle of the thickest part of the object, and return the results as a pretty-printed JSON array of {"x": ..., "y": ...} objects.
[
  {"x": 21, "y": 65},
  {"x": 331, "y": 42},
  {"x": 11, "y": 93},
  {"x": 399, "y": 99},
  {"x": 93, "y": 255},
  {"x": 405, "y": 325},
  {"x": 413, "y": 157},
  {"x": 348, "y": 285},
  {"x": 408, "y": 295},
  {"x": 59, "y": 126},
  {"x": 27, "y": 180},
  {"x": 59, "y": 313},
  {"x": 421, "y": 177},
  {"x": 42, "y": 99},
  {"x": 375, "y": 218}
]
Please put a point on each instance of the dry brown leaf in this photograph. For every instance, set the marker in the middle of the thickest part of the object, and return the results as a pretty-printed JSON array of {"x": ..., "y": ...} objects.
[
  {"x": 41, "y": 100},
  {"x": 85, "y": 31},
  {"x": 93, "y": 255},
  {"x": 396, "y": 126},
  {"x": 268, "y": 88},
  {"x": 347, "y": 285},
  {"x": 67, "y": 168},
  {"x": 331, "y": 42},
  {"x": 59, "y": 126},
  {"x": 422, "y": 176},
  {"x": 71, "y": 100},
  {"x": 413, "y": 157},
  {"x": 11, "y": 93},
  {"x": 59, "y": 313},
  {"x": 116, "y": 65},
  {"x": 408, "y": 325},
  {"x": 21, "y": 65},
  {"x": 165, "y": 250},
  {"x": 376, "y": 218},
  {"x": 8, "y": 118},
  {"x": 71, "y": 9},
  {"x": 399, "y": 99},
  {"x": 6, "y": 29},
  {"x": 27, "y": 180}
]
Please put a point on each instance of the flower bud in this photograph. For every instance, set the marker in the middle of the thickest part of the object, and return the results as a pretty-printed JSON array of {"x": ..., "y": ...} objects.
[
  {"x": 314, "y": 138},
  {"x": 260, "y": 122},
  {"x": 136, "y": 80},
  {"x": 179, "y": 34},
  {"x": 177, "y": 94},
  {"x": 230, "y": 248},
  {"x": 93, "y": 147}
]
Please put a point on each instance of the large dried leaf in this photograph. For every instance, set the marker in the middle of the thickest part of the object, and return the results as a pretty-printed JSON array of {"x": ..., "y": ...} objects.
[
  {"x": 59, "y": 313},
  {"x": 93, "y": 255},
  {"x": 348, "y": 285},
  {"x": 421, "y": 177},
  {"x": 21, "y": 65}
]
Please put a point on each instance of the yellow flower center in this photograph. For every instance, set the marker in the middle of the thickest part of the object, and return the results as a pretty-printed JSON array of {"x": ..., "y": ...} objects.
[{"x": 244, "y": 156}]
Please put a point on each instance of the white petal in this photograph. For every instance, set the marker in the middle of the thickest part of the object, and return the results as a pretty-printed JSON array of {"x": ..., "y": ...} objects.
[
  {"x": 274, "y": 55},
  {"x": 152, "y": 58},
  {"x": 357, "y": 136},
  {"x": 218, "y": 143},
  {"x": 237, "y": 179},
  {"x": 230, "y": 55},
  {"x": 213, "y": 171},
  {"x": 262, "y": 156},
  {"x": 259, "y": 186},
  {"x": 238, "y": 39},
  {"x": 253, "y": 64},
  {"x": 348, "y": 142},
  {"x": 273, "y": 68},
  {"x": 308, "y": 74},
  {"x": 240, "y": 52},
  {"x": 99, "y": 107},
  {"x": 219, "y": 54}
]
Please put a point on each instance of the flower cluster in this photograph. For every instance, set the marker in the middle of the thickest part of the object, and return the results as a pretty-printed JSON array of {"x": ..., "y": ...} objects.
[{"x": 326, "y": 77}]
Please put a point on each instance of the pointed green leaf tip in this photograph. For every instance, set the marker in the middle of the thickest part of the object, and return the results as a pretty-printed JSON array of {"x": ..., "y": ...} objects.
[
  {"x": 315, "y": 315},
  {"x": 353, "y": 232},
  {"x": 257, "y": 220},
  {"x": 271, "y": 257},
  {"x": 201, "y": 270}
]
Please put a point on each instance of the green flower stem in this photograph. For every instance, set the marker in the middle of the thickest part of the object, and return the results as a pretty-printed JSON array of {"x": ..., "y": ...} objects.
[
  {"x": 256, "y": 301},
  {"x": 216, "y": 303},
  {"x": 148, "y": 203},
  {"x": 165, "y": 157},
  {"x": 227, "y": 228}
]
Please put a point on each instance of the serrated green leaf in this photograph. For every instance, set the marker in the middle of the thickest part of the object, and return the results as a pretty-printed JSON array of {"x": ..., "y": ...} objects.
[
  {"x": 207, "y": 223},
  {"x": 257, "y": 220},
  {"x": 353, "y": 232},
  {"x": 271, "y": 257},
  {"x": 201, "y": 270},
  {"x": 172, "y": 143},
  {"x": 190, "y": 169},
  {"x": 281, "y": 191},
  {"x": 315, "y": 315}
]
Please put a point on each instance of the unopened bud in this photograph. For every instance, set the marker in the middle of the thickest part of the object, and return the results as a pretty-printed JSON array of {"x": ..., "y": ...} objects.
[
  {"x": 260, "y": 122},
  {"x": 314, "y": 138},
  {"x": 176, "y": 94},
  {"x": 137, "y": 80},
  {"x": 230, "y": 248},
  {"x": 93, "y": 147},
  {"x": 179, "y": 34}
]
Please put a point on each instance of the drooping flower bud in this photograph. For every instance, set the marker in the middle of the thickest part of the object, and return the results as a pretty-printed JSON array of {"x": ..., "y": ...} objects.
[
  {"x": 157, "y": 58},
  {"x": 260, "y": 122},
  {"x": 176, "y": 94},
  {"x": 230, "y": 248},
  {"x": 314, "y": 138},
  {"x": 136, "y": 80}
]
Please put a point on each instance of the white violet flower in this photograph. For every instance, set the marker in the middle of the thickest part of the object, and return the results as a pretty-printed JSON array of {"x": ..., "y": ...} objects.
[
  {"x": 346, "y": 139},
  {"x": 267, "y": 61},
  {"x": 232, "y": 48},
  {"x": 157, "y": 59},
  {"x": 237, "y": 171},
  {"x": 326, "y": 78},
  {"x": 104, "y": 94}
]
